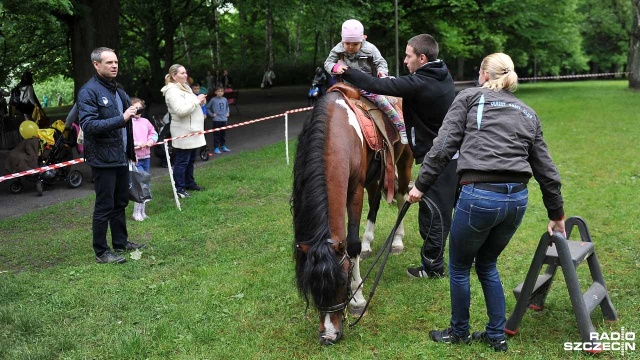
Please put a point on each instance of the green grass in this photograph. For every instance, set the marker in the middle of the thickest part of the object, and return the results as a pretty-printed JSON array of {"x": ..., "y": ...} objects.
[{"x": 216, "y": 280}]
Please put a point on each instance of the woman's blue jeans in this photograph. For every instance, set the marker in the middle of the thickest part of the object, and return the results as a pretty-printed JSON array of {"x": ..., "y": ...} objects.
[
  {"x": 483, "y": 223},
  {"x": 183, "y": 168}
]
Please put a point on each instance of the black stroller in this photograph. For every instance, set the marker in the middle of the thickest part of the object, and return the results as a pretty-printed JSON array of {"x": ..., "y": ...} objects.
[{"x": 59, "y": 152}]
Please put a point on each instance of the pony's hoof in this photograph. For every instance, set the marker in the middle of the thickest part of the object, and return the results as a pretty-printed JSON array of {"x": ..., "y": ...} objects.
[
  {"x": 357, "y": 311},
  {"x": 365, "y": 254},
  {"x": 330, "y": 339},
  {"x": 397, "y": 249}
]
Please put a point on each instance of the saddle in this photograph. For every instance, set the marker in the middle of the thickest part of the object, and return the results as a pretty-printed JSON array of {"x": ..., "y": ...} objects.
[{"x": 379, "y": 132}]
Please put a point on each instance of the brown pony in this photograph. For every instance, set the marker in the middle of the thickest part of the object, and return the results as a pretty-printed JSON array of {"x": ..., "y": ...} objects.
[{"x": 333, "y": 166}]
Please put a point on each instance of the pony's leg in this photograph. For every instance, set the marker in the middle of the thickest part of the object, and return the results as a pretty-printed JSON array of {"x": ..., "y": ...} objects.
[
  {"x": 354, "y": 247},
  {"x": 357, "y": 304},
  {"x": 397, "y": 246},
  {"x": 373, "y": 190},
  {"x": 403, "y": 168}
]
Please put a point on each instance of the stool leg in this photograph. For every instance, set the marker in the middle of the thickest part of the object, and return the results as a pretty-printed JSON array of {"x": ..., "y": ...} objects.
[
  {"x": 583, "y": 318},
  {"x": 513, "y": 323},
  {"x": 596, "y": 274}
]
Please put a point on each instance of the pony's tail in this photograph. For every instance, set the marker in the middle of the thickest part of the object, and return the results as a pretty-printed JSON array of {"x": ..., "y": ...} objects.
[{"x": 321, "y": 275}]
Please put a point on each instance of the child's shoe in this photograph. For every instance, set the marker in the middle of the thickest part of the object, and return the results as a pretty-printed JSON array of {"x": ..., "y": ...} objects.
[
  {"x": 403, "y": 137},
  {"x": 217, "y": 151},
  {"x": 225, "y": 149}
]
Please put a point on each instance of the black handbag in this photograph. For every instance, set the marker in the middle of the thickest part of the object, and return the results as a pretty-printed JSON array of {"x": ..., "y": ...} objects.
[{"x": 139, "y": 185}]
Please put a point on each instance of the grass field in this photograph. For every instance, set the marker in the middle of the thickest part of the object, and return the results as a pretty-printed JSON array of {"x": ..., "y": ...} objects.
[{"x": 216, "y": 280}]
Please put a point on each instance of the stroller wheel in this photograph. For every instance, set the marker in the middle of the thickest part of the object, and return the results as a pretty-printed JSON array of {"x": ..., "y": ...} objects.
[
  {"x": 15, "y": 187},
  {"x": 39, "y": 187},
  {"x": 204, "y": 154},
  {"x": 74, "y": 179}
]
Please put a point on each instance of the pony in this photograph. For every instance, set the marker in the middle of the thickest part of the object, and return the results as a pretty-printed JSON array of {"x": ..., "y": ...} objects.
[{"x": 333, "y": 166}]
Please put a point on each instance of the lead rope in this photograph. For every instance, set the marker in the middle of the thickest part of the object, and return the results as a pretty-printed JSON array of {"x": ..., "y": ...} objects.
[{"x": 386, "y": 249}]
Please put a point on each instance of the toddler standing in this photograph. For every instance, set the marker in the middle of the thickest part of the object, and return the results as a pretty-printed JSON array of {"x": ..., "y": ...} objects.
[
  {"x": 144, "y": 136},
  {"x": 218, "y": 110},
  {"x": 357, "y": 53}
]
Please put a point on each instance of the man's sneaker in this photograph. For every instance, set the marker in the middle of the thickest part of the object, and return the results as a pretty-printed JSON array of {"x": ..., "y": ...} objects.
[
  {"x": 225, "y": 149},
  {"x": 497, "y": 345},
  {"x": 183, "y": 194},
  {"x": 195, "y": 188},
  {"x": 418, "y": 272},
  {"x": 109, "y": 257},
  {"x": 130, "y": 246},
  {"x": 449, "y": 337},
  {"x": 217, "y": 151}
]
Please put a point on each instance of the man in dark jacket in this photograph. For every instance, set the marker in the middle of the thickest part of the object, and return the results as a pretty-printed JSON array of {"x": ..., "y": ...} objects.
[
  {"x": 104, "y": 111},
  {"x": 426, "y": 95}
]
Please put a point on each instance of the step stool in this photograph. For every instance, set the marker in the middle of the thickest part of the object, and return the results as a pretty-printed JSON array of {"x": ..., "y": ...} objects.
[{"x": 567, "y": 254}]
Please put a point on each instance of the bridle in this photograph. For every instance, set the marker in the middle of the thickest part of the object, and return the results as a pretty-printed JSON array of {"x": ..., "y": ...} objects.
[{"x": 304, "y": 247}]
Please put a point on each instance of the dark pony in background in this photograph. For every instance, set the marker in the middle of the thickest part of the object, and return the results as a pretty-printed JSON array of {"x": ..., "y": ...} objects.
[{"x": 330, "y": 175}]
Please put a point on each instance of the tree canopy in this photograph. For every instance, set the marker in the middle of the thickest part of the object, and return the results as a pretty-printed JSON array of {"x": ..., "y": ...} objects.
[{"x": 544, "y": 37}]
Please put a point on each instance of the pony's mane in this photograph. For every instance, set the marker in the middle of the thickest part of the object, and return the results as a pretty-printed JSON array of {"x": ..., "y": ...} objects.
[
  {"x": 310, "y": 209},
  {"x": 309, "y": 202}
]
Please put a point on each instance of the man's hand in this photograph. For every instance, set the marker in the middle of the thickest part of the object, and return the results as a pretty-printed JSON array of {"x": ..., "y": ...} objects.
[
  {"x": 415, "y": 195},
  {"x": 129, "y": 113}
]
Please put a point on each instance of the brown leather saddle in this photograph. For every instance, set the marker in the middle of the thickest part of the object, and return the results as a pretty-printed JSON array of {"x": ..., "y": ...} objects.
[{"x": 379, "y": 132}]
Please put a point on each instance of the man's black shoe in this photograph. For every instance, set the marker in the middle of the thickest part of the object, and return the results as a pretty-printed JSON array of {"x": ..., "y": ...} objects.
[
  {"x": 447, "y": 336},
  {"x": 418, "y": 272},
  {"x": 130, "y": 246},
  {"x": 195, "y": 188},
  {"x": 109, "y": 257},
  {"x": 497, "y": 345}
]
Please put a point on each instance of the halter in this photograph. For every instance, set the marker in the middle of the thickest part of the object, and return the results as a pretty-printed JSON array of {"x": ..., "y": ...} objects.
[{"x": 304, "y": 247}]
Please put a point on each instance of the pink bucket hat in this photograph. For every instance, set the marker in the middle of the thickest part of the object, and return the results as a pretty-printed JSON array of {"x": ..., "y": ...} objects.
[{"x": 352, "y": 31}]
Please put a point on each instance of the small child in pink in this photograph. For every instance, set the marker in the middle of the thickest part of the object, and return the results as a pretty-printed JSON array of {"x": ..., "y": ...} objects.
[
  {"x": 357, "y": 53},
  {"x": 144, "y": 136}
]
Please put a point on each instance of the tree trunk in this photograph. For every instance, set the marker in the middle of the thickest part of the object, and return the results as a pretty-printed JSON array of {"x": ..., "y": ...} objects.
[
  {"x": 95, "y": 25},
  {"x": 460, "y": 68},
  {"x": 634, "y": 48},
  {"x": 268, "y": 49}
]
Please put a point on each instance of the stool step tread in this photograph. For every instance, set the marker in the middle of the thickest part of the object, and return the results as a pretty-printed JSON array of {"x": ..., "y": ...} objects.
[
  {"x": 580, "y": 251},
  {"x": 542, "y": 279}
]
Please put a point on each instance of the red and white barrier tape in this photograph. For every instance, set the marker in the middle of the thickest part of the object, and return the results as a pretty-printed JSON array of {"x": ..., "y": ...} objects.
[
  {"x": 580, "y": 76},
  {"x": 41, "y": 169},
  {"x": 81, "y": 160},
  {"x": 236, "y": 125}
]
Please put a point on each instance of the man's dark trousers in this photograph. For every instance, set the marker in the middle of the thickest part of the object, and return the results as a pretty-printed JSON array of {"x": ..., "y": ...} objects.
[
  {"x": 112, "y": 196},
  {"x": 433, "y": 229}
]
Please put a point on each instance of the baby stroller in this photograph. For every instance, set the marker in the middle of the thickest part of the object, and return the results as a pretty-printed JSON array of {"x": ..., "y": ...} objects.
[{"x": 47, "y": 154}]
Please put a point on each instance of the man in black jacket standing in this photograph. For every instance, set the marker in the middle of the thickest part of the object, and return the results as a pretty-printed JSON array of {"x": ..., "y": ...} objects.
[
  {"x": 105, "y": 113},
  {"x": 426, "y": 95}
]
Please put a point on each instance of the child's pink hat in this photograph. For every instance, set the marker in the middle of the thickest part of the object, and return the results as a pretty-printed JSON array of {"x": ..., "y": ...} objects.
[{"x": 352, "y": 31}]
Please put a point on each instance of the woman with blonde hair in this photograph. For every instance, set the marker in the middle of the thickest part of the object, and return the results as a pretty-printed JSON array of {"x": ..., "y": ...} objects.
[
  {"x": 185, "y": 109},
  {"x": 500, "y": 145}
]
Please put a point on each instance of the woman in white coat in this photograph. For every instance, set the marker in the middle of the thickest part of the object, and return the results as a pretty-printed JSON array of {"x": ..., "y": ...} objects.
[{"x": 185, "y": 109}]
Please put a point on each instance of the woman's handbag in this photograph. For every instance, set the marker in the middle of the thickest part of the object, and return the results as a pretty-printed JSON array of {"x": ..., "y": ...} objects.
[{"x": 139, "y": 184}]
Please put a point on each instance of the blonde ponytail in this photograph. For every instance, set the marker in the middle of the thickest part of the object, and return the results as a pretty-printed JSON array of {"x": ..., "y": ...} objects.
[
  {"x": 501, "y": 72},
  {"x": 172, "y": 71}
]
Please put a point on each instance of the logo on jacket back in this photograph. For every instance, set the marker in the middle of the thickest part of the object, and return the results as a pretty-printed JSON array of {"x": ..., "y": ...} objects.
[{"x": 105, "y": 101}]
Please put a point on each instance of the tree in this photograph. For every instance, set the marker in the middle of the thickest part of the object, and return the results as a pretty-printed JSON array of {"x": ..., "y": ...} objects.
[{"x": 634, "y": 48}]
